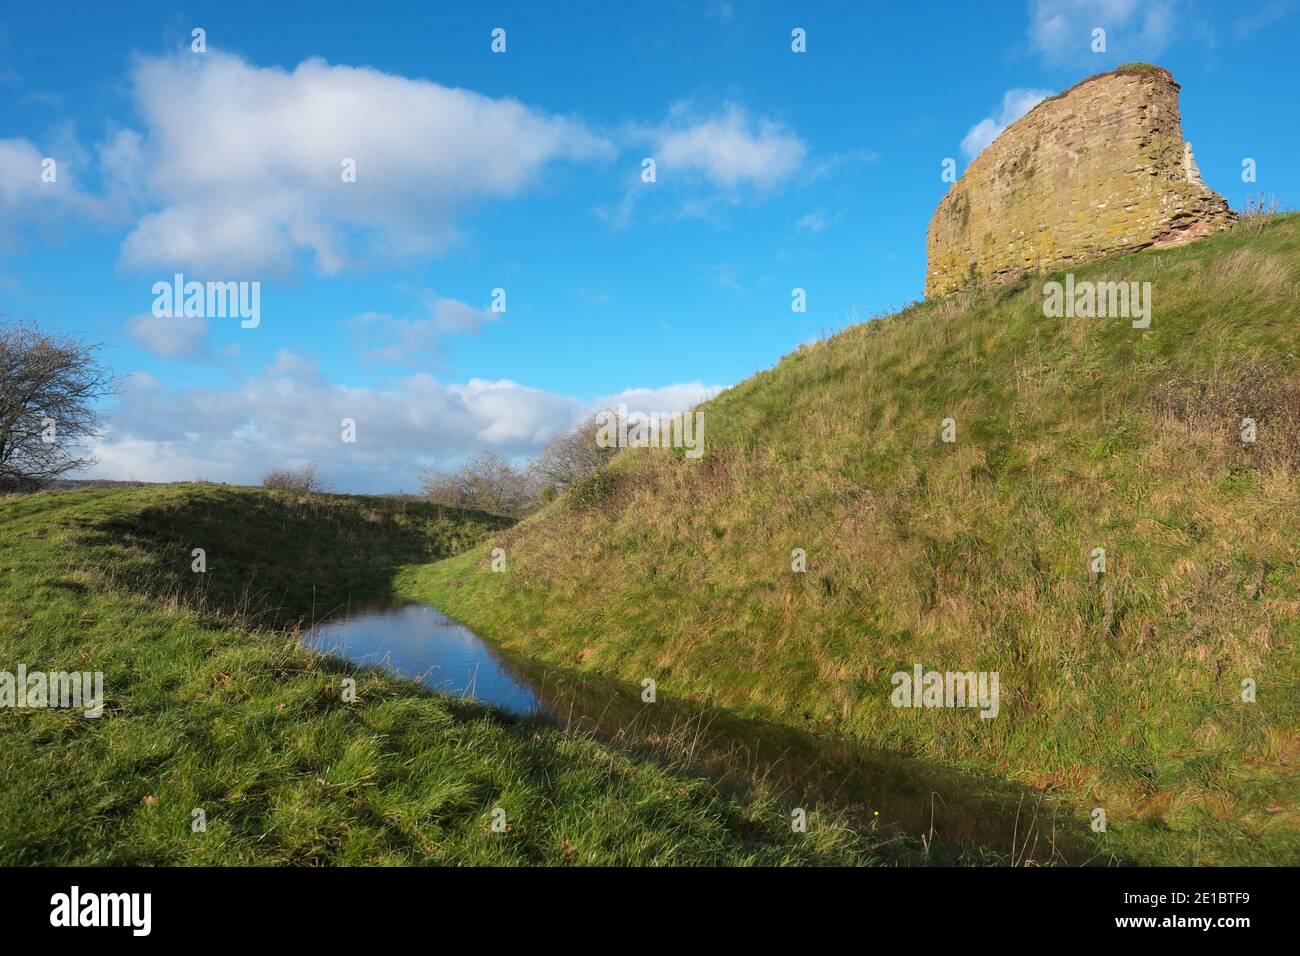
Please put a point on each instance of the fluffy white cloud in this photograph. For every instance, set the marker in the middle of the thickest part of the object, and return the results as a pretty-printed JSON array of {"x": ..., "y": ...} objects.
[
  {"x": 20, "y": 174},
  {"x": 1015, "y": 104},
  {"x": 168, "y": 337},
  {"x": 669, "y": 398},
  {"x": 513, "y": 416},
  {"x": 706, "y": 163},
  {"x": 244, "y": 164},
  {"x": 730, "y": 150},
  {"x": 386, "y": 338},
  {"x": 452, "y": 315},
  {"x": 1061, "y": 30},
  {"x": 25, "y": 196},
  {"x": 236, "y": 171},
  {"x": 289, "y": 413}
]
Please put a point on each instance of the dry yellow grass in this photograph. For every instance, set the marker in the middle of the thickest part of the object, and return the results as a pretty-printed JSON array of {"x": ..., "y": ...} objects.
[{"x": 1071, "y": 436}]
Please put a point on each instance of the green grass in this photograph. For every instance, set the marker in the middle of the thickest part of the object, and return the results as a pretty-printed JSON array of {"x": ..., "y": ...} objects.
[
  {"x": 1122, "y": 692},
  {"x": 212, "y": 705}
]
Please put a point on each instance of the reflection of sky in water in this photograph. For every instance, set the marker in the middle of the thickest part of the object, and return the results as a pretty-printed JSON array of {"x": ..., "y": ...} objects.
[{"x": 421, "y": 642}]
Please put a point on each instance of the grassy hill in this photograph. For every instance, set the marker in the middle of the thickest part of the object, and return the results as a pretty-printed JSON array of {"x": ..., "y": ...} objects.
[
  {"x": 1121, "y": 690},
  {"x": 211, "y": 704}
]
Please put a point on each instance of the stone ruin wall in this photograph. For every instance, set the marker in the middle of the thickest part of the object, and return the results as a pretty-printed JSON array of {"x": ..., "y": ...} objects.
[{"x": 1098, "y": 170}]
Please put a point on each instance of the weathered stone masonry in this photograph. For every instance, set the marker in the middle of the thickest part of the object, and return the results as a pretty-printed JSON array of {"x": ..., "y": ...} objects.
[{"x": 1095, "y": 171}]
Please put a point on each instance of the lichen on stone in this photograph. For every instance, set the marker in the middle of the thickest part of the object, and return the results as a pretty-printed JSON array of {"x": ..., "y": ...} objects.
[{"x": 1099, "y": 170}]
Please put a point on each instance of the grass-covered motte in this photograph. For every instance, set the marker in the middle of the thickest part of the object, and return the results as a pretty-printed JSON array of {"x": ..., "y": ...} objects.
[
  {"x": 1120, "y": 691},
  {"x": 212, "y": 705}
]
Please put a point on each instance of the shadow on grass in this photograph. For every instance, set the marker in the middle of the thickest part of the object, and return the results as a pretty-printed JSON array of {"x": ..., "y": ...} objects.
[
  {"x": 960, "y": 816},
  {"x": 277, "y": 559}
]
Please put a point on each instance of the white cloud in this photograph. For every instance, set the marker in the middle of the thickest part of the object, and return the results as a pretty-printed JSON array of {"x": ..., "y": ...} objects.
[
  {"x": 1015, "y": 104},
  {"x": 167, "y": 337},
  {"x": 245, "y": 162},
  {"x": 817, "y": 220},
  {"x": 1061, "y": 30},
  {"x": 669, "y": 398},
  {"x": 707, "y": 163},
  {"x": 514, "y": 416},
  {"x": 834, "y": 163},
  {"x": 26, "y": 197},
  {"x": 386, "y": 338},
  {"x": 452, "y": 315},
  {"x": 235, "y": 170},
  {"x": 289, "y": 413},
  {"x": 730, "y": 149},
  {"x": 20, "y": 174},
  {"x": 1262, "y": 16}
]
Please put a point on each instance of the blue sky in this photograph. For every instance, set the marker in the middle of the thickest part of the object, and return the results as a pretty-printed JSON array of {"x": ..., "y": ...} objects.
[{"x": 522, "y": 171}]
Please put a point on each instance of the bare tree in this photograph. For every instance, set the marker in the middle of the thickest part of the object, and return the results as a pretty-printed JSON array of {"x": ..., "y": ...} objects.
[
  {"x": 486, "y": 482},
  {"x": 49, "y": 385},
  {"x": 303, "y": 480},
  {"x": 570, "y": 457},
  {"x": 490, "y": 483}
]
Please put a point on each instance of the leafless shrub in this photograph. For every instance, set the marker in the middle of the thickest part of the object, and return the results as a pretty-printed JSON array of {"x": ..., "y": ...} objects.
[
  {"x": 569, "y": 458},
  {"x": 487, "y": 482},
  {"x": 1257, "y": 212},
  {"x": 303, "y": 480},
  {"x": 49, "y": 385}
]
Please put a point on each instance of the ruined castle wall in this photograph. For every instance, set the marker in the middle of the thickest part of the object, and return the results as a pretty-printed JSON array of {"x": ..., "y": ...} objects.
[{"x": 1098, "y": 170}]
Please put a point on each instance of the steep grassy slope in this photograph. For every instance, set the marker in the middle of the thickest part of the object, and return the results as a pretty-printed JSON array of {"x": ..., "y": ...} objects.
[
  {"x": 1120, "y": 691},
  {"x": 205, "y": 710}
]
